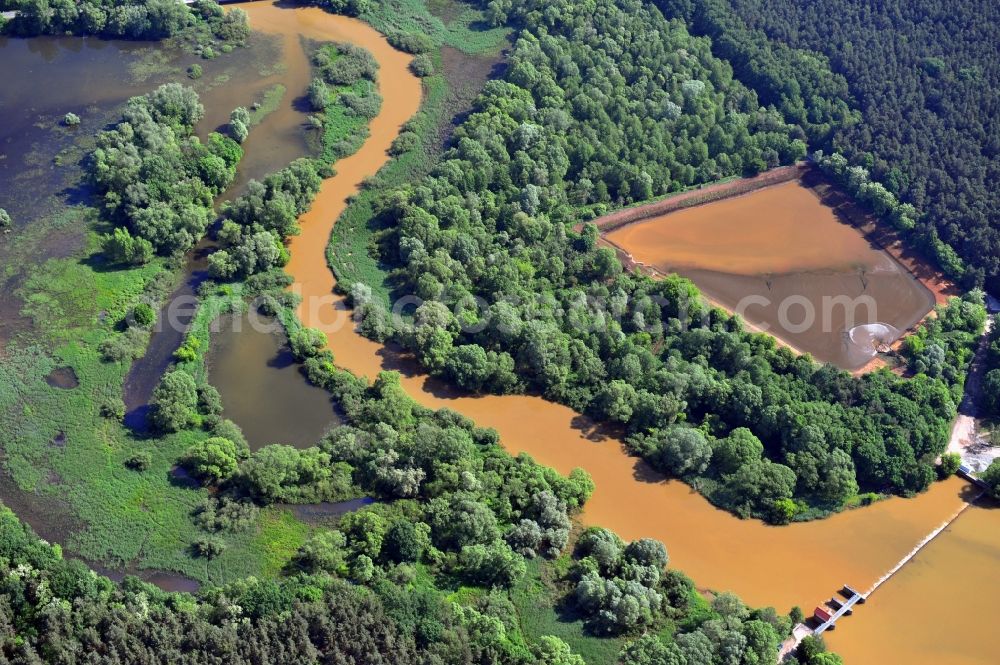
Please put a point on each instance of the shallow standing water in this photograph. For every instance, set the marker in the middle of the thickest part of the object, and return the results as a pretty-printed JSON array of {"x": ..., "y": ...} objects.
[
  {"x": 783, "y": 260},
  {"x": 262, "y": 389},
  {"x": 90, "y": 77},
  {"x": 38, "y": 176}
]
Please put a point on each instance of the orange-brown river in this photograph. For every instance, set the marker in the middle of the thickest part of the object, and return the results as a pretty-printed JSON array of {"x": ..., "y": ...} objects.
[
  {"x": 951, "y": 583},
  {"x": 938, "y": 609}
]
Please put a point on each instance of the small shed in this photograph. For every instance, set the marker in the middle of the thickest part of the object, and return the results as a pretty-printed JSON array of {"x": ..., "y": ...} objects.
[{"x": 822, "y": 614}]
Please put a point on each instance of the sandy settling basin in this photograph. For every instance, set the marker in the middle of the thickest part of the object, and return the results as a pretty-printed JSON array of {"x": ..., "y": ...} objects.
[{"x": 790, "y": 267}]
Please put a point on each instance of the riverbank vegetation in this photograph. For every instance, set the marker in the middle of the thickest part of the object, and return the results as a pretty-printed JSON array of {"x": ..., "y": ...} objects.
[
  {"x": 57, "y": 610},
  {"x": 255, "y": 226},
  {"x": 156, "y": 179},
  {"x": 560, "y": 316},
  {"x": 464, "y": 55},
  {"x": 344, "y": 97}
]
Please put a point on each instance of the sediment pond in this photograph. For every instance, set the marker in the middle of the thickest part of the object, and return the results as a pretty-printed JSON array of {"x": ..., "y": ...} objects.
[{"x": 789, "y": 266}]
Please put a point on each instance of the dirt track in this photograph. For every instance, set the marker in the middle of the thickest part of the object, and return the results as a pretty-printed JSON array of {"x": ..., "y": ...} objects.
[{"x": 700, "y": 196}]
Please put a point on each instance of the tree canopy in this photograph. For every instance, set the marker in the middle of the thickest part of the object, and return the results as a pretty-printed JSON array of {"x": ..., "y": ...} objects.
[
  {"x": 137, "y": 19},
  {"x": 156, "y": 179},
  {"x": 603, "y": 107}
]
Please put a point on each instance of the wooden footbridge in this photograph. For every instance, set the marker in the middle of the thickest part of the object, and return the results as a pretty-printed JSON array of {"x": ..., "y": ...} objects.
[
  {"x": 841, "y": 608},
  {"x": 824, "y": 618}
]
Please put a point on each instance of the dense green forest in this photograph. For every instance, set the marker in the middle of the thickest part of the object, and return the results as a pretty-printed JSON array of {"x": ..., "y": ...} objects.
[
  {"x": 58, "y": 611},
  {"x": 756, "y": 429},
  {"x": 646, "y": 108},
  {"x": 923, "y": 77}
]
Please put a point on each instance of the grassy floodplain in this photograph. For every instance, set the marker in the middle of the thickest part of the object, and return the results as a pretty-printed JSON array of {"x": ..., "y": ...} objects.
[{"x": 62, "y": 451}]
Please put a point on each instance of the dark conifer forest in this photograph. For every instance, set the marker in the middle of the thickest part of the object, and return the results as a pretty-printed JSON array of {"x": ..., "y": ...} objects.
[{"x": 923, "y": 80}]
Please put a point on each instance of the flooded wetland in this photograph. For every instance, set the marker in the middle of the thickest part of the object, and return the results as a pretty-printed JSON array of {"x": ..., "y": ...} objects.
[{"x": 43, "y": 188}]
